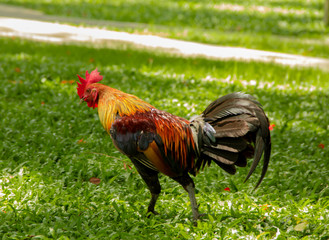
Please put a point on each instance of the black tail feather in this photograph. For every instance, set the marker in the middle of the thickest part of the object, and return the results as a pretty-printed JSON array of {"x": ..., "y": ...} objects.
[{"x": 240, "y": 129}]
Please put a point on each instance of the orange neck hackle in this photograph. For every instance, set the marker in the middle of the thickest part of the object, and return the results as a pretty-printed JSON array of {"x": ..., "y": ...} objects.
[{"x": 113, "y": 104}]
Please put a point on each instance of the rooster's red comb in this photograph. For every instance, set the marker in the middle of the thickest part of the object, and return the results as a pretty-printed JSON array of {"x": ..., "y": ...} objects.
[{"x": 93, "y": 77}]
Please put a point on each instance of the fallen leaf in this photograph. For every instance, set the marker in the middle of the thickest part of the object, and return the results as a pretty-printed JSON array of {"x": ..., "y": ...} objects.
[
  {"x": 67, "y": 81},
  {"x": 126, "y": 165},
  {"x": 300, "y": 227},
  {"x": 227, "y": 189},
  {"x": 264, "y": 207},
  {"x": 91, "y": 60},
  {"x": 321, "y": 145},
  {"x": 271, "y": 127},
  {"x": 17, "y": 69},
  {"x": 94, "y": 180},
  {"x": 81, "y": 141},
  {"x": 15, "y": 82}
]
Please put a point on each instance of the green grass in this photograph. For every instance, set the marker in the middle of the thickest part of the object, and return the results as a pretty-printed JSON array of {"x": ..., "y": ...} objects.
[
  {"x": 50, "y": 146},
  {"x": 293, "y": 26}
]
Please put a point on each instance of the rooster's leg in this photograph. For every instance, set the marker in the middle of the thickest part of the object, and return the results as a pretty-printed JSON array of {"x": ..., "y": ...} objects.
[
  {"x": 151, "y": 179},
  {"x": 152, "y": 203},
  {"x": 153, "y": 184},
  {"x": 191, "y": 192},
  {"x": 187, "y": 182}
]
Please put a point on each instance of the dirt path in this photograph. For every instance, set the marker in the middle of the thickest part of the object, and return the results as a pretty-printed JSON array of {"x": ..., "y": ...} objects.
[{"x": 31, "y": 24}]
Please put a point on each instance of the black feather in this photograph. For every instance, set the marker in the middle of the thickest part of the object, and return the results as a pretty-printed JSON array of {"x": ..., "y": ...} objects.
[
  {"x": 221, "y": 155},
  {"x": 145, "y": 140},
  {"x": 241, "y": 132},
  {"x": 231, "y": 169}
]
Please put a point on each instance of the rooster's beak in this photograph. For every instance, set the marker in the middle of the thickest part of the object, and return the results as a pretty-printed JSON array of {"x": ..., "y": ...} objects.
[{"x": 81, "y": 100}]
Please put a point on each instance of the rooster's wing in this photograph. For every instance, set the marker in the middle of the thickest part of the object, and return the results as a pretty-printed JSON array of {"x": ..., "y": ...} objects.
[{"x": 157, "y": 139}]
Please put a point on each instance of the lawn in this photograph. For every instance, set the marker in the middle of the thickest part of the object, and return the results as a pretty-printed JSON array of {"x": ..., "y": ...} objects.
[
  {"x": 292, "y": 26},
  {"x": 53, "y": 150}
]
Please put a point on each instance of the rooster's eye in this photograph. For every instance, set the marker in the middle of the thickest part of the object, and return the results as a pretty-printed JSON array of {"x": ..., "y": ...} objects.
[{"x": 88, "y": 90}]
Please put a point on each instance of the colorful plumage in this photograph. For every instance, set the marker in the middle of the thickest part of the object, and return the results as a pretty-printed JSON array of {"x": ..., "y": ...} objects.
[{"x": 230, "y": 130}]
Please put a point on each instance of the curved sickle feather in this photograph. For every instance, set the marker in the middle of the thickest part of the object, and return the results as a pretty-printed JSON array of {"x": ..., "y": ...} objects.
[
  {"x": 267, "y": 155},
  {"x": 263, "y": 145}
]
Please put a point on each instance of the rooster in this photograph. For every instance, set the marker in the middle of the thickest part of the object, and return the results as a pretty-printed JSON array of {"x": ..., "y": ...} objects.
[{"x": 230, "y": 130}]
